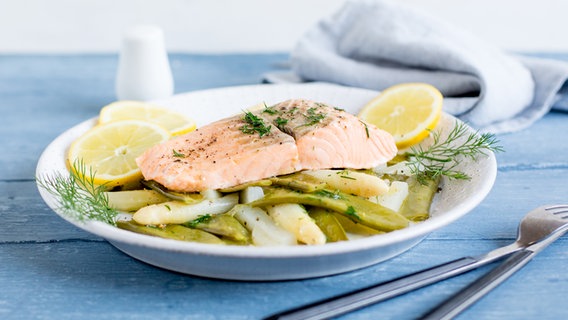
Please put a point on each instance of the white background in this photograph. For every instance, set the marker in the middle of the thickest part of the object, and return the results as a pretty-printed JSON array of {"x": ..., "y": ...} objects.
[{"x": 220, "y": 26}]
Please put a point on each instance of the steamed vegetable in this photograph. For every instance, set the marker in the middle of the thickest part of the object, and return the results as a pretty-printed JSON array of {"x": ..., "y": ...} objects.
[
  {"x": 351, "y": 182},
  {"x": 328, "y": 224},
  {"x": 355, "y": 208},
  {"x": 175, "y": 212},
  {"x": 264, "y": 230},
  {"x": 420, "y": 197},
  {"x": 294, "y": 218},
  {"x": 132, "y": 200},
  {"x": 175, "y": 232},
  {"x": 222, "y": 225}
]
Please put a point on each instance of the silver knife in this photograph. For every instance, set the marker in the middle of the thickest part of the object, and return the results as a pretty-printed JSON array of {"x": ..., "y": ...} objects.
[{"x": 456, "y": 304}]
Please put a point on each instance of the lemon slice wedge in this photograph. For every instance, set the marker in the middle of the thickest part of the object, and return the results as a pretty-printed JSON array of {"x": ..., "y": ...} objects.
[
  {"x": 110, "y": 150},
  {"x": 174, "y": 122},
  {"x": 408, "y": 111}
]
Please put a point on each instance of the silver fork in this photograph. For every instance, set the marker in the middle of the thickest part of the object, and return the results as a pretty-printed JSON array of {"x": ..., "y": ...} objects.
[
  {"x": 556, "y": 225},
  {"x": 546, "y": 222}
]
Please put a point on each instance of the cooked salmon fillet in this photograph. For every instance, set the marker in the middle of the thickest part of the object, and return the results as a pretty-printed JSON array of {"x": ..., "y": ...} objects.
[
  {"x": 327, "y": 137},
  {"x": 290, "y": 136},
  {"x": 219, "y": 155}
]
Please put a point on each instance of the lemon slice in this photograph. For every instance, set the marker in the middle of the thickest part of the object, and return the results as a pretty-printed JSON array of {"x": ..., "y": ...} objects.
[
  {"x": 173, "y": 121},
  {"x": 110, "y": 150},
  {"x": 408, "y": 111}
]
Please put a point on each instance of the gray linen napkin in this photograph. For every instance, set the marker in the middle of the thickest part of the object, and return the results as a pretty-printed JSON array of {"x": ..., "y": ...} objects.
[{"x": 376, "y": 44}]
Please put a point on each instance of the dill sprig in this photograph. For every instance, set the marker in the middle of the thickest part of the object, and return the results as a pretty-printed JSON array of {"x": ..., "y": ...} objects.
[
  {"x": 312, "y": 117},
  {"x": 351, "y": 212},
  {"x": 366, "y": 128},
  {"x": 78, "y": 196},
  {"x": 254, "y": 124},
  {"x": 178, "y": 154},
  {"x": 269, "y": 110},
  {"x": 329, "y": 194},
  {"x": 200, "y": 219},
  {"x": 280, "y": 122},
  {"x": 442, "y": 157}
]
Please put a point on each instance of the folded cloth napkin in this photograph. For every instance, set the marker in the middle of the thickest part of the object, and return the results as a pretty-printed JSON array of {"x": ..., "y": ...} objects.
[{"x": 376, "y": 44}]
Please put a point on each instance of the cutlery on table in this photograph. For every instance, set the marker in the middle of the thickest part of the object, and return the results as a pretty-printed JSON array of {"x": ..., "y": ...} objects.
[
  {"x": 482, "y": 286},
  {"x": 537, "y": 229}
]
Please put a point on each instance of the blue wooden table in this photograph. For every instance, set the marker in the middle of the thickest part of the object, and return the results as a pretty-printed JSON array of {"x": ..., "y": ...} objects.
[{"x": 50, "y": 269}]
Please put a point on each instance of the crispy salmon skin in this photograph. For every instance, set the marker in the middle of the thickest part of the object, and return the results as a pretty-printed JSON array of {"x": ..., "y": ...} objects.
[{"x": 287, "y": 137}]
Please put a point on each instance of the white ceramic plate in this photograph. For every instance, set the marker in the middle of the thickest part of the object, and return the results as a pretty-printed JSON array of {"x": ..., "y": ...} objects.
[{"x": 282, "y": 263}]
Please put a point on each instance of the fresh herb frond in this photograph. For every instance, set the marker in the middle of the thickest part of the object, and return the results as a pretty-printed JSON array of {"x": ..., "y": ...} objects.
[
  {"x": 269, "y": 110},
  {"x": 178, "y": 154},
  {"x": 78, "y": 196},
  {"x": 351, "y": 212},
  {"x": 366, "y": 128},
  {"x": 280, "y": 122},
  {"x": 442, "y": 157},
  {"x": 329, "y": 194},
  {"x": 195, "y": 222},
  {"x": 254, "y": 124},
  {"x": 292, "y": 111},
  {"x": 313, "y": 117}
]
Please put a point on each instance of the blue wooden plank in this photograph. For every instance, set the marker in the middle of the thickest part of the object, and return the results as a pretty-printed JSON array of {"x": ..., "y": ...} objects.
[
  {"x": 26, "y": 218},
  {"x": 543, "y": 145},
  {"x": 512, "y": 196}
]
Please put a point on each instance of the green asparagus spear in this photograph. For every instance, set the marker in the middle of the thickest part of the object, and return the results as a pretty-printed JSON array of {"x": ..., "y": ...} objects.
[
  {"x": 257, "y": 183},
  {"x": 299, "y": 181},
  {"x": 355, "y": 228},
  {"x": 416, "y": 207},
  {"x": 222, "y": 225},
  {"x": 328, "y": 223},
  {"x": 176, "y": 232},
  {"x": 356, "y": 208},
  {"x": 173, "y": 195},
  {"x": 132, "y": 200}
]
